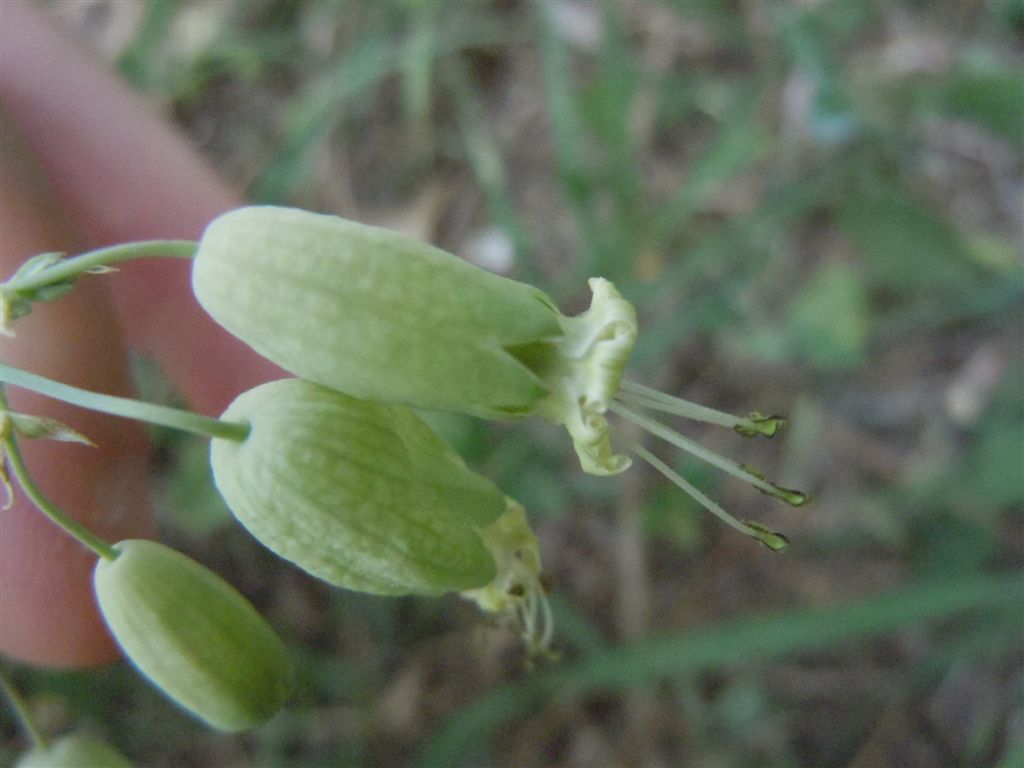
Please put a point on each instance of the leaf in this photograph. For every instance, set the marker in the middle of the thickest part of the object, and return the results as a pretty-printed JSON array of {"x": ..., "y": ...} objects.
[
  {"x": 950, "y": 545},
  {"x": 991, "y": 97},
  {"x": 46, "y": 429},
  {"x": 138, "y": 61},
  {"x": 194, "y": 504},
  {"x": 996, "y": 466},
  {"x": 741, "y": 143},
  {"x": 319, "y": 107},
  {"x": 832, "y": 118},
  {"x": 829, "y": 320},
  {"x": 909, "y": 249},
  {"x": 6, "y": 489},
  {"x": 37, "y": 263}
]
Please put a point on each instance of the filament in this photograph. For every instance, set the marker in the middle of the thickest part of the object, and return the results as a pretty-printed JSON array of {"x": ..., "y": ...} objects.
[
  {"x": 796, "y": 498},
  {"x": 772, "y": 540}
]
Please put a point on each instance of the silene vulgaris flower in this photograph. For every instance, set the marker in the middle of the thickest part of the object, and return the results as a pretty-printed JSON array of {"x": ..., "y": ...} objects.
[
  {"x": 384, "y": 317},
  {"x": 366, "y": 496}
]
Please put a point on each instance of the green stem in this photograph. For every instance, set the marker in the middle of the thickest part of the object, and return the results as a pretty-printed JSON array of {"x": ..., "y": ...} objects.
[
  {"x": 125, "y": 407},
  {"x": 48, "y": 508},
  {"x": 67, "y": 269},
  {"x": 22, "y": 715}
]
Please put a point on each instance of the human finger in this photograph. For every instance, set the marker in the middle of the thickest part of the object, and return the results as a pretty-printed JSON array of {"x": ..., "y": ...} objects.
[
  {"x": 122, "y": 173},
  {"x": 48, "y": 614}
]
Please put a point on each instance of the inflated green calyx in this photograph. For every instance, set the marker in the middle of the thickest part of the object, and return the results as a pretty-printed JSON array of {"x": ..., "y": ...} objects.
[
  {"x": 361, "y": 494},
  {"x": 371, "y": 313},
  {"x": 195, "y": 637}
]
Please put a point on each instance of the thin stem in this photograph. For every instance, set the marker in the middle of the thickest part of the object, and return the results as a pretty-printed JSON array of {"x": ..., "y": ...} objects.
[
  {"x": 796, "y": 498},
  {"x": 125, "y": 407},
  {"x": 754, "y": 424},
  {"x": 772, "y": 540},
  {"x": 48, "y": 508},
  {"x": 22, "y": 715},
  {"x": 67, "y": 269}
]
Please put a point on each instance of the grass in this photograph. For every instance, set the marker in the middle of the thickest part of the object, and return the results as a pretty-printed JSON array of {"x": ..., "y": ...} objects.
[{"x": 739, "y": 643}]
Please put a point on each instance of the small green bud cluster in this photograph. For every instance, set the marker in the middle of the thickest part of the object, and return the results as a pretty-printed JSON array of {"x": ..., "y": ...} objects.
[{"x": 15, "y": 304}]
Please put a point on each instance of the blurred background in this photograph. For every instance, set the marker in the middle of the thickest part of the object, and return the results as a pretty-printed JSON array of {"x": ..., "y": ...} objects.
[{"x": 817, "y": 209}]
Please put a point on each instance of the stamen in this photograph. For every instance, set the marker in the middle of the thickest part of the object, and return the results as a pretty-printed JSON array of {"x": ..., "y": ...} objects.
[
  {"x": 517, "y": 591},
  {"x": 754, "y": 424},
  {"x": 774, "y": 541},
  {"x": 537, "y": 624},
  {"x": 795, "y": 498},
  {"x": 548, "y": 618},
  {"x": 521, "y": 616}
]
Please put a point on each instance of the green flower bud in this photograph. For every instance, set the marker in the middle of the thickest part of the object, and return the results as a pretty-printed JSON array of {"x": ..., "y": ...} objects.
[
  {"x": 383, "y": 317},
  {"x": 363, "y": 495},
  {"x": 74, "y": 751},
  {"x": 192, "y": 635}
]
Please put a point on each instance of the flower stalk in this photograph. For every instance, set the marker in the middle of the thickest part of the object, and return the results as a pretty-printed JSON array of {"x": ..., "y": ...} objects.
[
  {"x": 22, "y": 714},
  {"x": 127, "y": 408},
  {"x": 49, "y": 276},
  {"x": 12, "y": 457}
]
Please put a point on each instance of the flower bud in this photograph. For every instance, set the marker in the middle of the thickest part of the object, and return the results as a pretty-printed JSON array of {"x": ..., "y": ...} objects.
[
  {"x": 363, "y": 495},
  {"x": 74, "y": 751},
  {"x": 192, "y": 635}
]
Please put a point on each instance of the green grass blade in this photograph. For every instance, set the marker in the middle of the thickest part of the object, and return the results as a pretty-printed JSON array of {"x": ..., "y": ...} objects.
[
  {"x": 741, "y": 143},
  {"x": 484, "y": 155},
  {"x": 649, "y": 661},
  {"x": 317, "y": 111},
  {"x": 1014, "y": 757},
  {"x": 574, "y": 177},
  {"x": 727, "y": 246},
  {"x": 137, "y": 61}
]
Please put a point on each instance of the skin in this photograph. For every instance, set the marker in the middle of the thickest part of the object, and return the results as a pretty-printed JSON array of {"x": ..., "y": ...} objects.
[{"x": 86, "y": 162}]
